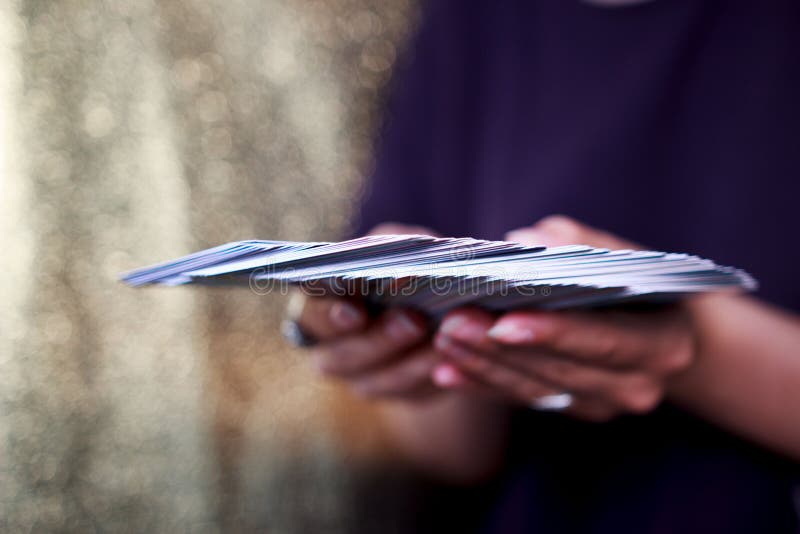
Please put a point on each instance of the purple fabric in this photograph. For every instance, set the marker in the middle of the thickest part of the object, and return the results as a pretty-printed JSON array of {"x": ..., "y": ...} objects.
[{"x": 675, "y": 123}]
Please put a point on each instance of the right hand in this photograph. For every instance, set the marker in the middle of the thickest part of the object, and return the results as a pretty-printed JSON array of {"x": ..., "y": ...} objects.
[{"x": 388, "y": 356}]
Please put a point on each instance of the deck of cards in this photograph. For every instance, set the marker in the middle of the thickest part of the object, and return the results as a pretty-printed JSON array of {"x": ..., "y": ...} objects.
[{"x": 435, "y": 275}]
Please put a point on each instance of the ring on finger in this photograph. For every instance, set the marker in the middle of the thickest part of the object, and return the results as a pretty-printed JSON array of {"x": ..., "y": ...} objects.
[{"x": 552, "y": 403}]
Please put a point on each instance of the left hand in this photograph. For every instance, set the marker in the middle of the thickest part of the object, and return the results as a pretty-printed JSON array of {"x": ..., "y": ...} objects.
[{"x": 611, "y": 361}]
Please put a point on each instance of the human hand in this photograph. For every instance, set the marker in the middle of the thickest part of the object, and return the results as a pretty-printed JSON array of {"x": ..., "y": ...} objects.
[
  {"x": 389, "y": 356},
  {"x": 611, "y": 361}
]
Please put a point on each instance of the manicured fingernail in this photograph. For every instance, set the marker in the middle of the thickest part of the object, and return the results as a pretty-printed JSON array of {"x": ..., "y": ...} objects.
[
  {"x": 445, "y": 376},
  {"x": 452, "y": 324},
  {"x": 401, "y": 327},
  {"x": 345, "y": 316},
  {"x": 511, "y": 333},
  {"x": 460, "y": 328}
]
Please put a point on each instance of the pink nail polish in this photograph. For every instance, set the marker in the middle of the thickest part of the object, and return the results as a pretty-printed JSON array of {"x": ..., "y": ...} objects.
[
  {"x": 452, "y": 325},
  {"x": 511, "y": 333},
  {"x": 444, "y": 376},
  {"x": 460, "y": 328}
]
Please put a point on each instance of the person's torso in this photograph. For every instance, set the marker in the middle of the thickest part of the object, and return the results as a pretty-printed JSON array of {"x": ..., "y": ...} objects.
[{"x": 675, "y": 124}]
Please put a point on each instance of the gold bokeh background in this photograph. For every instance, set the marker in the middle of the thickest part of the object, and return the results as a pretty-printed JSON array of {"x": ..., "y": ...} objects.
[{"x": 133, "y": 131}]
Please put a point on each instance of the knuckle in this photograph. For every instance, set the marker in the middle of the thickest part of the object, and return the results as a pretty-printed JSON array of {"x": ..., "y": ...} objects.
[
  {"x": 676, "y": 360},
  {"x": 565, "y": 227},
  {"x": 388, "y": 228}
]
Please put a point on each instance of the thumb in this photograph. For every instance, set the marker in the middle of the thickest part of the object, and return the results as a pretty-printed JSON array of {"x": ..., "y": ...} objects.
[{"x": 558, "y": 230}]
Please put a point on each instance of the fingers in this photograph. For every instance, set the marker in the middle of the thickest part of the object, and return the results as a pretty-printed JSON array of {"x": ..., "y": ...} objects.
[
  {"x": 398, "y": 228},
  {"x": 611, "y": 363},
  {"x": 327, "y": 318},
  {"x": 470, "y": 326},
  {"x": 557, "y": 230},
  {"x": 599, "y": 394},
  {"x": 613, "y": 339},
  {"x": 408, "y": 377},
  {"x": 449, "y": 376},
  {"x": 523, "y": 388},
  {"x": 493, "y": 377},
  {"x": 393, "y": 334},
  {"x": 446, "y": 375},
  {"x": 582, "y": 336},
  {"x": 633, "y": 392}
]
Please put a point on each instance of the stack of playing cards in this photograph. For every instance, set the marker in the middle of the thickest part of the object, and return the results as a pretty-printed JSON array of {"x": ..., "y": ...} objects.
[{"x": 437, "y": 274}]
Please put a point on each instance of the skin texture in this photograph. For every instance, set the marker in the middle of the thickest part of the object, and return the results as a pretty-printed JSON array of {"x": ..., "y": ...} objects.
[{"x": 446, "y": 393}]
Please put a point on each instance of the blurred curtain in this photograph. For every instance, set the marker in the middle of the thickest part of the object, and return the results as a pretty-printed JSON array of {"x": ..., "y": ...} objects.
[{"x": 135, "y": 131}]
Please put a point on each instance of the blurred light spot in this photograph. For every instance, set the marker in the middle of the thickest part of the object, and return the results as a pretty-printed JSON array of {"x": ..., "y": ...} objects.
[
  {"x": 99, "y": 121},
  {"x": 86, "y": 25},
  {"x": 245, "y": 100},
  {"x": 217, "y": 176},
  {"x": 188, "y": 73},
  {"x": 57, "y": 328},
  {"x": 211, "y": 106},
  {"x": 56, "y": 167},
  {"x": 378, "y": 55},
  {"x": 279, "y": 62},
  {"x": 363, "y": 25},
  {"x": 214, "y": 66},
  {"x": 217, "y": 142}
]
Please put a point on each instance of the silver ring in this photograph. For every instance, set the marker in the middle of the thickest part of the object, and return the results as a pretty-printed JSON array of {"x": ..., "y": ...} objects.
[{"x": 552, "y": 403}]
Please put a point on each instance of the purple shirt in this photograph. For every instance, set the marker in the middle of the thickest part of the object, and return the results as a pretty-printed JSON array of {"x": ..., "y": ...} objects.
[{"x": 674, "y": 123}]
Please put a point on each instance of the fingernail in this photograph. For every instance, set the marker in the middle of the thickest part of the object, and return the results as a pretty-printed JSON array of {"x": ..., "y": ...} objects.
[
  {"x": 445, "y": 376},
  {"x": 345, "y": 316},
  {"x": 401, "y": 327},
  {"x": 460, "y": 328},
  {"x": 511, "y": 333},
  {"x": 452, "y": 324}
]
